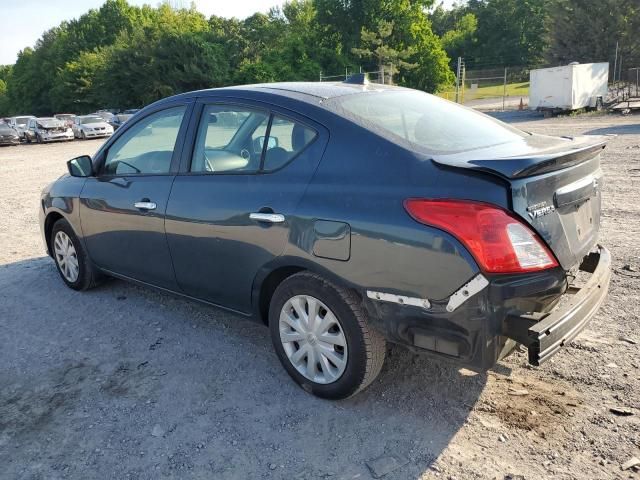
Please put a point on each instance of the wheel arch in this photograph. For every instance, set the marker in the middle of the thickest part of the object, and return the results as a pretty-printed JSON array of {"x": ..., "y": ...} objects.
[
  {"x": 269, "y": 277},
  {"x": 49, "y": 221}
]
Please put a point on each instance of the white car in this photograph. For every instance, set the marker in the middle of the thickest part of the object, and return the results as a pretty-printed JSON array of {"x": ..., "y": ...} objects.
[
  {"x": 91, "y": 126},
  {"x": 47, "y": 129}
]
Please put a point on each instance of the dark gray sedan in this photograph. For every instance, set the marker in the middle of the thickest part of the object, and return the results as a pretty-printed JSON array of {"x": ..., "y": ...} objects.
[{"x": 344, "y": 216}]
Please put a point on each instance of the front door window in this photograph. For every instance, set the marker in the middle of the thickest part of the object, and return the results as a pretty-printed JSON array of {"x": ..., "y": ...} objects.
[{"x": 147, "y": 147}]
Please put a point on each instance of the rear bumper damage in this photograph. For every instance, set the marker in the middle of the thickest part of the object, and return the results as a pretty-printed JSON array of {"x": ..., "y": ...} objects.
[
  {"x": 477, "y": 332},
  {"x": 545, "y": 333}
]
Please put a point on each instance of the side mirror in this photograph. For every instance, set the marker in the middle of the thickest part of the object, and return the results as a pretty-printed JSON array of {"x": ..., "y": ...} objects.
[
  {"x": 272, "y": 143},
  {"x": 80, "y": 166}
]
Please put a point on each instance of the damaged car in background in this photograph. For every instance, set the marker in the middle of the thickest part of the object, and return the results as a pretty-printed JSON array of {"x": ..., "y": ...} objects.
[
  {"x": 19, "y": 124},
  {"x": 67, "y": 118},
  {"x": 8, "y": 136},
  {"x": 344, "y": 216},
  {"x": 47, "y": 129}
]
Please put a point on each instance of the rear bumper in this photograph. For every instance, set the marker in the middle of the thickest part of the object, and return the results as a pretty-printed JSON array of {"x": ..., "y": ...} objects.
[
  {"x": 482, "y": 330},
  {"x": 545, "y": 333}
]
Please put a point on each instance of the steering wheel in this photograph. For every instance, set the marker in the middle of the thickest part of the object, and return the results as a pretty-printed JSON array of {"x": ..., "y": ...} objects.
[{"x": 208, "y": 167}]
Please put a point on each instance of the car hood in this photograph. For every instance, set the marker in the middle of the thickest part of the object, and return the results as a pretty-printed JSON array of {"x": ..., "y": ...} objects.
[{"x": 50, "y": 124}]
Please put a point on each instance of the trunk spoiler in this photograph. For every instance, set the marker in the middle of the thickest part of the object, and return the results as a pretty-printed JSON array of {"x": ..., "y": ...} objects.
[{"x": 536, "y": 162}]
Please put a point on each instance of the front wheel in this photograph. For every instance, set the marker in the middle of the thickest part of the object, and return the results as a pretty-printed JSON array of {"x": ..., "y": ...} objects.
[
  {"x": 322, "y": 338},
  {"x": 72, "y": 262}
]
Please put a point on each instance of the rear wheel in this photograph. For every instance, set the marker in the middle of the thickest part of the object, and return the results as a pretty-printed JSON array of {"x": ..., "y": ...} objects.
[
  {"x": 322, "y": 338},
  {"x": 72, "y": 262}
]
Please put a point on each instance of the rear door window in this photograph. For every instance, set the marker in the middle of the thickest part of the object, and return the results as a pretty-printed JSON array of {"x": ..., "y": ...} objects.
[
  {"x": 235, "y": 139},
  {"x": 287, "y": 138},
  {"x": 228, "y": 139}
]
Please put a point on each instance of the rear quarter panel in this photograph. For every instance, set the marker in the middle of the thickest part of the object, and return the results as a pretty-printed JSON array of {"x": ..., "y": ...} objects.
[{"x": 363, "y": 181}]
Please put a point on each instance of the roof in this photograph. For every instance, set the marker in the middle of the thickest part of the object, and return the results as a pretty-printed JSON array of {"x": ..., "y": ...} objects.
[{"x": 317, "y": 90}]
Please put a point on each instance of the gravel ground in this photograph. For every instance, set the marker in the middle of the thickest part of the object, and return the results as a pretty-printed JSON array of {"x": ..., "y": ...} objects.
[{"x": 125, "y": 382}]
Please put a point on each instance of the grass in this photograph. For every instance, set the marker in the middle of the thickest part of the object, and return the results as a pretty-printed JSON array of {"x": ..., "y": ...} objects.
[{"x": 489, "y": 91}]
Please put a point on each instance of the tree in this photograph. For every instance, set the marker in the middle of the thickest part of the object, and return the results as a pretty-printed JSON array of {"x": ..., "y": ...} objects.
[
  {"x": 76, "y": 88},
  {"x": 588, "y": 30},
  {"x": 375, "y": 46},
  {"x": 509, "y": 32},
  {"x": 461, "y": 40}
]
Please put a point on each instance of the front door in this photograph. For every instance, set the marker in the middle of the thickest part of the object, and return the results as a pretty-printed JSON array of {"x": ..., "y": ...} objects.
[
  {"x": 229, "y": 211},
  {"x": 122, "y": 209}
]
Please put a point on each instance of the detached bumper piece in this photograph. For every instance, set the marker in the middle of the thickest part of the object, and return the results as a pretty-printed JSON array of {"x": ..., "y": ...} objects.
[{"x": 545, "y": 333}]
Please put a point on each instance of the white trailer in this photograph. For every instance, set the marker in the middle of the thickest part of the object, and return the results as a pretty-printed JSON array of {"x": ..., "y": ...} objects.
[{"x": 570, "y": 87}]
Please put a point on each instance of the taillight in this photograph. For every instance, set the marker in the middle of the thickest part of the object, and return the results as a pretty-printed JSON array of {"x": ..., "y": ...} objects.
[{"x": 498, "y": 241}]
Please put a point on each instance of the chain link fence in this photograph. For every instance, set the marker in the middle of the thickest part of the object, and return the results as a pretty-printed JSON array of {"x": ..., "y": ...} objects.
[{"x": 496, "y": 88}]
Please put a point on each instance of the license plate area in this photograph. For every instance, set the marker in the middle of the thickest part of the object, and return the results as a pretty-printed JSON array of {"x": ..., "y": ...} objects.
[{"x": 583, "y": 219}]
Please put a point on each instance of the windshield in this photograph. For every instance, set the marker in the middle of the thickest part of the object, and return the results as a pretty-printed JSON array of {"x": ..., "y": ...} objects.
[
  {"x": 92, "y": 120},
  {"x": 426, "y": 122},
  {"x": 22, "y": 120}
]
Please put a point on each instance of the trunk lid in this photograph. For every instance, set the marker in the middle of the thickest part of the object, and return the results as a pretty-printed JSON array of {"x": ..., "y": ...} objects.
[{"x": 555, "y": 186}]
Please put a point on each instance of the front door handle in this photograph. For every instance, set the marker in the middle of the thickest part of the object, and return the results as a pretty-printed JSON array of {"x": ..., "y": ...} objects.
[
  {"x": 146, "y": 205},
  {"x": 267, "y": 217}
]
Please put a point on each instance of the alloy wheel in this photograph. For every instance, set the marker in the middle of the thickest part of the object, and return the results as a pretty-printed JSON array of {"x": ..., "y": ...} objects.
[
  {"x": 313, "y": 339},
  {"x": 66, "y": 256}
]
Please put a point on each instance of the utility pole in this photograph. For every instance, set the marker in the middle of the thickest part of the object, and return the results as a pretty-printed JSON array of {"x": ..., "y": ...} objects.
[
  {"x": 458, "y": 71},
  {"x": 615, "y": 65},
  {"x": 620, "y": 67},
  {"x": 504, "y": 91}
]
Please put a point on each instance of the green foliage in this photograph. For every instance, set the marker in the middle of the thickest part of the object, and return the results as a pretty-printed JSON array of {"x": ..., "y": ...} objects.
[
  {"x": 462, "y": 37},
  {"x": 124, "y": 56},
  {"x": 76, "y": 88},
  {"x": 587, "y": 31},
  {"x": 375, "y": 46},
  {"x": 495, "y": 32}
]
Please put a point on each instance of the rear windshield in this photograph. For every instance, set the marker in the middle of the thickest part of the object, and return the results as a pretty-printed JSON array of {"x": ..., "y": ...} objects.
[{"x": 427, "y": 123}]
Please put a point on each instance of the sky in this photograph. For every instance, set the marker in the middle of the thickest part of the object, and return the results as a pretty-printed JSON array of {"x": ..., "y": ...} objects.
[{"x": 22, "y": 22}]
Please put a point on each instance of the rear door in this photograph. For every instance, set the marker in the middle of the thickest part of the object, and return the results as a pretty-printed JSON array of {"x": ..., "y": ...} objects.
[
  {"x": 122, "y": 209},
  {"x": 231, "y": 206}
]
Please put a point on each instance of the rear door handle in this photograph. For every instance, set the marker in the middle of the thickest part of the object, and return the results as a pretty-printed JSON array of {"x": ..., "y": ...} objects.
[
  {"x": 267, "y": 217},
  {"x": 145, "y": 205}
]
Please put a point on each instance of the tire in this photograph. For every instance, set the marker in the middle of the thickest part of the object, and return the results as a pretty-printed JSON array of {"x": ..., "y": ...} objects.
[
  {"x": 38, "y": 139},
  {"x": 87, "y": 276},
  {"x": 82, "y": 135},
  {"x": 364, "y": 349}
]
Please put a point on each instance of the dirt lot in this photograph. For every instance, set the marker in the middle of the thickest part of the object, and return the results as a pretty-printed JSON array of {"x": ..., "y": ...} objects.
[{"x": 125, "y": 382}]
